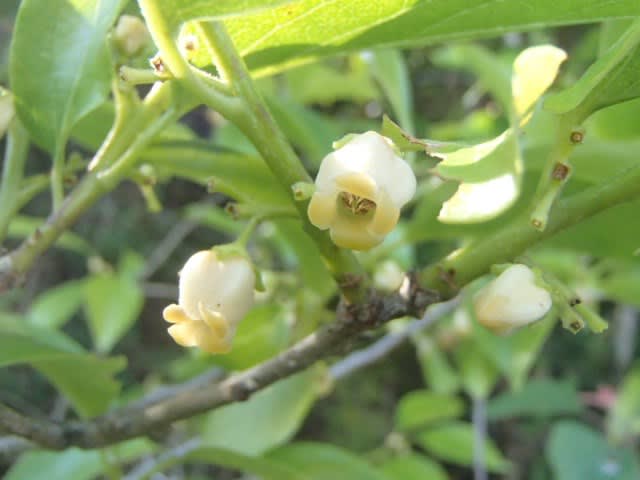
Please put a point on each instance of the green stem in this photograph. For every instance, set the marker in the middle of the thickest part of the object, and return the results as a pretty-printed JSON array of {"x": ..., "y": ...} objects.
[
  {"x": 57, "y": 174},
  {"x": 556, "y": 171},
  {"x": 456, "y": 270},
  {"x": 261, "y": 128},
  {"x": 92, "y": 186},
  {"x": 13, "y": 169}
]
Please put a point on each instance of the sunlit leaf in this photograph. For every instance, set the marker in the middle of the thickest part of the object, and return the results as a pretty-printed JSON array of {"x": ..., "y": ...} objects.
[
  {"x": 421, "y": 407},
  {"x": 413, "y": 467}
]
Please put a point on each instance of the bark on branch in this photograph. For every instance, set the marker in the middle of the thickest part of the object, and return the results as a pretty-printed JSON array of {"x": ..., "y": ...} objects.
[{"x": 148, "y": 417}]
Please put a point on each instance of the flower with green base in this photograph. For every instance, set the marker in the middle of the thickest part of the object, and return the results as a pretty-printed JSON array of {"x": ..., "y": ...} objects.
[
  {"x": 216, "y": 292},
  {"x": 512, "y": 300},
  {"x": 360, "y": 189}
]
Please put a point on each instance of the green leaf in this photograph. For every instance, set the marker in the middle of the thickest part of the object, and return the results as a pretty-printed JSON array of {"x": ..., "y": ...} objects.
[
  {"x": 576, "y": 452},
  {"x": 243, "y": 177},
  {"x": 73, "y": 463},
  {"x": 413, "y": 467},
  {"x": 88, "y": 381},
  {"x": 515, "y": 354},
  {"x": 318, "y": 83},
  {"x": 617, "y": 122},
  {"x": 538, "y": 398},
  {"x": 178, "y": 11},
  {"x": 419, "y": 408},
  {"x": 454, "y": 443},
  {"x": 267, "y": 419},
  {"x": 623, "y": 421},
  {"x": 112, "y": 304},
  {"x": 477, "y": 370},
  {"x": 55, "y": 307},
  {"x": 612, "y": 79},
  {"x": 482, "y": 162},
  {"x": 622, "y": 282},
  {"x": 60, "y": 68},
  {"x": 318, "y": 461},
  {"x": 296, "y": 32},
  {"x": 265, "y": 468},
  {"x": 436, "y": 368}
]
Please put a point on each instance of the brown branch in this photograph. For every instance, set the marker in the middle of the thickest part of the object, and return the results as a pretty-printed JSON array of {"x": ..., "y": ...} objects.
[{"x": 147, "y": 417}]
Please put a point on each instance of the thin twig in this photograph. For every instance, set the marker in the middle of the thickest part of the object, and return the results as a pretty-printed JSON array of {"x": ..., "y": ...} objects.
[
  {"x": 167, "y": 246},
  {"x": 479, "y": 419},
  {"x": 11, "y": 447},
  {"x": 380, "y": 349},
  {"x": 150, "y": 415}
]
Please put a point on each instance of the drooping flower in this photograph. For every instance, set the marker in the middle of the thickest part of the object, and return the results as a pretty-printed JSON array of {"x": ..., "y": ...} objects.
[
  {"x": 511, "y": 300},
  {"x": 7, "y": 110},
  {"x": 360, "y": 189},
  {"x": 215, "y": 294}
]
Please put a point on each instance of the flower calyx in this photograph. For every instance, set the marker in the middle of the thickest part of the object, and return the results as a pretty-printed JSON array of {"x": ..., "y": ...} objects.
[
  {"x": 517, "y": 297},
  {"x": 360, "y": 189},
  {"x": 216, "y": 290}
]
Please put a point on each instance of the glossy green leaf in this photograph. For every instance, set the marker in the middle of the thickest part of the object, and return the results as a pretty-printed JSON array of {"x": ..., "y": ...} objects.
[
  {"x": 73, "y": 463},
  {"x": 612, "y": 79},
  {"x": 618, "y": 122},
  {"x": 419, "y": 408},
  {"x": 576, "y": 452},
  {"x": 276, "y": 413},
  {"x": 88, "y": 381},
  {"x": 454, "y": 443},
  {"x": 178, "y": 11},
  {"x": 60, "y": 68},
  {"x": 538, "y": 398},
  {"x": 54, "y": 308},
  {"x": 318, "y": 461},
  {"x": 295, "y": 32},
  {"x": 413, "y": 467},
  {"x": 623, "y": 422},
  {"x": 112, "y": 304},
  {"x": 243, "y": 177}
]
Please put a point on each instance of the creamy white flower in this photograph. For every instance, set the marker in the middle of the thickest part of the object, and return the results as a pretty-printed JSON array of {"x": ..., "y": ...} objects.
[
  {"x": 511, "y": 300},
  {"x": 360, "y": 189},
  {"x": 388, "y": 276},
  {"x": 214, "y": 296},
  {"x": 131, "y": 35}
]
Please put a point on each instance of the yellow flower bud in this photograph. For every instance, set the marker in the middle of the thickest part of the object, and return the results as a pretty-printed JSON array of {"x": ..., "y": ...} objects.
[
  {"x": 214, "y": 296},
  {"x": 360, "y": 189},
  {"x": 512, "y": 300}
]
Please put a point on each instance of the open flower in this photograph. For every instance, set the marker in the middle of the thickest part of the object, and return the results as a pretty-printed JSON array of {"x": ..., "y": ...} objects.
[
  {"x": 512, "y": 300},
  {"x": 360, "y": 189},
  {"x": 215, "y": 294}
]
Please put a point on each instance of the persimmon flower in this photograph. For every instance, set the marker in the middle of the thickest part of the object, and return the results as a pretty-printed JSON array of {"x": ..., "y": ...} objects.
[
  {"x": 512, "y": 300},
  {"x": 215, "y": 294},
  {"x": 7, "y": 111},
  {"x": 360, "y": 189}
]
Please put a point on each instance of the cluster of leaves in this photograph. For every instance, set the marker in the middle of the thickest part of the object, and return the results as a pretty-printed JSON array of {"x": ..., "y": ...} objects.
[{"x": 326, "y": 69}]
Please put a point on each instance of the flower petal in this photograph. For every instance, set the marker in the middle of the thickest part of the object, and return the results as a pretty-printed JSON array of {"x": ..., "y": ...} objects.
[
  {"x": 358, "y": 184},
  {"x": 322, "y": 210},
  {"x": 354, "y": 234},
  {"x": 385, "y": 217},
  {"x": 175, "y": 314},
  {"x": 185, "y": 333}
]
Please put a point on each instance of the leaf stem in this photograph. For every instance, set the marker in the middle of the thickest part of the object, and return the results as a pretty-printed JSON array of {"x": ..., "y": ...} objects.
[{"x": 12, "y": 172}]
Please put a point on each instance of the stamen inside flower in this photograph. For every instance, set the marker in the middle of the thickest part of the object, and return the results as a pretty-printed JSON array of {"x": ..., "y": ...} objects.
[{"x": 357, "y": 205}]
